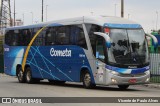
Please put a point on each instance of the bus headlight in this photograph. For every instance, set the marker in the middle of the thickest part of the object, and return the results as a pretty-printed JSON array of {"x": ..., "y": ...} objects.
[
  {"x": 147, "y": 80},
  {"x": 147, "y": 72},
  {"x": 113, "y": 80}
]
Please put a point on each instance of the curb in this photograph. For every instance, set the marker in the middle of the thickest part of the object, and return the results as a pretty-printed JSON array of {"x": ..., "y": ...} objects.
[
  {"x": 153, "y": 85},
  {"x": 3, "y": 75}
]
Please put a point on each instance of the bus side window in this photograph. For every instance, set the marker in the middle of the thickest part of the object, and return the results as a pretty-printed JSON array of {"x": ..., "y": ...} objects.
[
  {"x": 67, "y": 37},
  {"x": 80, "y": 37},
  {"x": 24, "y": 39},
  {"x": 62, "y": 36},
  {"x": 14, "y": 38},
  {"x": 59, "y": 34},
  {"x": 28, "y": 37},
  {"x": 20, "y": 38},
  {"x": 11, "y": 37},
  {"x": 8, "y": 37},
  {"x": 91, "y": 29},
  {"x": 100, "y": 48},
  {"x": 40, "y": 39},
  {"x": 48, "y": 37},
  {"x": 72, "y": 35}
]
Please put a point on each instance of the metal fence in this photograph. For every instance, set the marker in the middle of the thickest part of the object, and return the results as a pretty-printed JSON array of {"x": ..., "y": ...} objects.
[
  {"x": 155, "y": 67},
  {"x": 1, "y": 63},
  {"x": 1, "y": 55}
]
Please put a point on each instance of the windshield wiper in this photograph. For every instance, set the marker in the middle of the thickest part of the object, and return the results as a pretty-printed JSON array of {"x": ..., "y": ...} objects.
[{"x": 139, "y": 57}]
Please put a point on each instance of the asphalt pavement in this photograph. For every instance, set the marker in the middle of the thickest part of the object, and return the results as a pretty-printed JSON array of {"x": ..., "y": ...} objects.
[{"x": 10, "y": 87}]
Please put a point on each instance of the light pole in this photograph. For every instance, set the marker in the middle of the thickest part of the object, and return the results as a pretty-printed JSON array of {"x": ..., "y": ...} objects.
[
  {"x": 42, "y": 10},
  {"x": 91, "y": 13},
  {"x": 122, "y": 8},
  {"x": 156, "y": 20},
  {"x": 46, "y": 12},
  {"x": 115, "y": 9},
  {"x": 23, "y": 18},
  {"x": 14, "y": 13},
  {"x": 32, "y": 17},
  {"x": 128, "y": 16}
]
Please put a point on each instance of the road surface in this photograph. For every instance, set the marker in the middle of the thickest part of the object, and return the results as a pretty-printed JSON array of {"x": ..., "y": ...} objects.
[{"x": 10, "y": 87}]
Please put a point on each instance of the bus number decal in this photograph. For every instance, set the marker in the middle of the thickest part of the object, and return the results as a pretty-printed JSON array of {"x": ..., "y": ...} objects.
[{"x": 81, "y": 55}]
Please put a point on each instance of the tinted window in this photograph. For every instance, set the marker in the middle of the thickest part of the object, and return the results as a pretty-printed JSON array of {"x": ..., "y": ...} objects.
[
  {"x": 77, "y": 36},
  {"x": 62, "y": 36},
  {"x": 91, "y": 29},
  {"x": 50, "y": 36},
  {"x": 11, "y": 38},
  {"x": 24, "y": 37},
  {"x": 40, "y": 39},
  {"x": 18, "y": 37},
  {"x": 81, "y": 40},
  {"x": 100, "y": 48},
  {"x": 8, "y": 38}
]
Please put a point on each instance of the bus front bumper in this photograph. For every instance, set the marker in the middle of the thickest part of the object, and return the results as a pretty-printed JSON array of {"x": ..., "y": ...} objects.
[{"x": 114, "y": 79}]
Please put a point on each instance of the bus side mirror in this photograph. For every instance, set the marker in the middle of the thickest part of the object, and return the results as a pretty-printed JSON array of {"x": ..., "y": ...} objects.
[
  {"x": 155, "y": 41},
  {"x": 106, "y": 37}
]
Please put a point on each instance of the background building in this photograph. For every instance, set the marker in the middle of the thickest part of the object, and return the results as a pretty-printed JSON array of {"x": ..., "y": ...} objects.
[{"x": 18, "y": 22}]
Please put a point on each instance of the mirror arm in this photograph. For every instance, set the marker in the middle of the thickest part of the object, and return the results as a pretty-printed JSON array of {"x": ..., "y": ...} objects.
[{"x": 106, "y": 37}]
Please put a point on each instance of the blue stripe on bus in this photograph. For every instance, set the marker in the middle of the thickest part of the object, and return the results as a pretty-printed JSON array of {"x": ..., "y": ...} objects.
[{"x": 112, "y": 25}]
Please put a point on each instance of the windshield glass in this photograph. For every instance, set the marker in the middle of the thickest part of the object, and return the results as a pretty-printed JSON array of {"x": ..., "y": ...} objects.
[{"x": 129, "y": 47}]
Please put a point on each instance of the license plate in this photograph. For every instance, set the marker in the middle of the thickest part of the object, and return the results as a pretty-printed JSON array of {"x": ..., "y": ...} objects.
[{"x": 132, "y": 81}]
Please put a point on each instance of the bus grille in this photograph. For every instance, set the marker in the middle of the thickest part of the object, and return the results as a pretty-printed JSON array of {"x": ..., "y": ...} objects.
[{"x": 132, "y": 75}]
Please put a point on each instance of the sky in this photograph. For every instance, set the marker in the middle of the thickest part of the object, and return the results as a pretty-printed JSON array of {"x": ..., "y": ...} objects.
[{"x": 144, "y": 12}]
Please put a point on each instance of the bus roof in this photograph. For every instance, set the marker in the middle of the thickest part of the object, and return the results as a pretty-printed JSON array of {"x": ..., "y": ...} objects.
[{"x": 106, "y": 21}]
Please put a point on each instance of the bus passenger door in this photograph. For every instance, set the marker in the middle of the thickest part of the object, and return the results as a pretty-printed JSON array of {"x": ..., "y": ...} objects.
[{"x": 100, "y": 60}]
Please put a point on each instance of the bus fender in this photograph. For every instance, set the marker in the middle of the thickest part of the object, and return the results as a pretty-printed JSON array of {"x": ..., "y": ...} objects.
[{"x": 86, "y": 69}]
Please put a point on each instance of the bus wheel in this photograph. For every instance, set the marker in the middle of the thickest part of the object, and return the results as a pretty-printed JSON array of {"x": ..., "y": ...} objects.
[
  {"x": 20, "y": 75},
  {"x": 87, "y": 81},
  {"x": 28, "y": 76},
  {"x": 123, "y": 87}
]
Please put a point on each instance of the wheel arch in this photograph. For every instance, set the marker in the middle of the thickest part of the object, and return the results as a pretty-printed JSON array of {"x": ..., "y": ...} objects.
[
  {"x": 26, "y": 66},
  {"x": 85, "y": 69},
  {"x": 17, "y": 67},
  {"x": 20, "y": 66}
]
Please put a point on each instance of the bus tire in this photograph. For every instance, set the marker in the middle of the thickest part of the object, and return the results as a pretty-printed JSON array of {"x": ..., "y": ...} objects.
[
  {"x": 28, "y": 76},
  {"x": 20, "y": 75},
  {"x": 87, "y": 83},
  {"x": 123, "y": 87}
]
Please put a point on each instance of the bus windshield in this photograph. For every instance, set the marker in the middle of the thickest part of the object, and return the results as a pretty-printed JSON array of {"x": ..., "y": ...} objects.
[{"x": 129, "y": 48}]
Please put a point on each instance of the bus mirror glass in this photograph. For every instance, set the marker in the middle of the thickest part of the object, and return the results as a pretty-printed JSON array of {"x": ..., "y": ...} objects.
[
  {"x": 97, "y": 54},
  {"x": 106, "y": 37}
]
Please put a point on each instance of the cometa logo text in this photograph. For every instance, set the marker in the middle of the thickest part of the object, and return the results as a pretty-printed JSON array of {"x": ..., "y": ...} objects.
[{"x": 60, "y": 53}]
